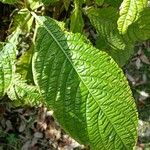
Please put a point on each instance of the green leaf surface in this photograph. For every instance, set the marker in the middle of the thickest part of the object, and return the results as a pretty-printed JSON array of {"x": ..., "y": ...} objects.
[
  {"x": 7, "y": 61},
  {"x": 104, "y": 20},
  {"x": 8, "y": 1},
  {"x": 77, "y": 22},
  {"x": 22, "y": 93},
  {"x": 24, "y": 65},
  {"x": 36, "y": 3},
  {"x": 114, "y": 3},
  {"x": 129, "y": 13},
  {"x": 1, "y": 45},
  {"x": 85, "y": 87},
  {"x": 7, "y": 67},
  {"x": 140, "y": 30},
  {"x": 66, "y": 4},
  {"x": 22, "y": 20},
  {"x": 99, "y": 2},
  {"x": 48, "y": 2}
]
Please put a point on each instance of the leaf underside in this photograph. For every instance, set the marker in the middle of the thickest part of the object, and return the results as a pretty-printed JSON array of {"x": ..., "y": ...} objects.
[{"x": 85, "y": 87}]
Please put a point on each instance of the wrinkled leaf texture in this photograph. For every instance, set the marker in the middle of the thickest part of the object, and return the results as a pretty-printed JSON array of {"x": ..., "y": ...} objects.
[
  {"x": 7, "y": 67},
  {"x": 22, "y": 93},
  {"x": 119, "y": 47},
  {"x": 7, "y": 61},
  {"x": 85, "y": 87},
  {"x": 140, "y": 29},
  {"x": 129, "y": 13}
]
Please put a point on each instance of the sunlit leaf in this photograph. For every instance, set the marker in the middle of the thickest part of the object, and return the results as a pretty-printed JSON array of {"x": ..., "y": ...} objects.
[{"x": 85, "y": 87}]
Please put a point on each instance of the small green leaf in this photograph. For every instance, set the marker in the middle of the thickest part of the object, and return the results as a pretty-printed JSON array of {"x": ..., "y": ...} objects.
[
  {"x": 85, "y": 87},
  {"x": 99, "y": 2},
  {"x": 1, "y": 45},
  {"x": 22, "y": 93},
  {"x": 24, "y": 65},
  {"x": 34, "y": 4},
  {"x": 9, "y": 1},
  {"x": 66, "y": 4},
  {"x": 129, "y": 13},
  {"x": 77, "y": 22},
  {"x": 23, "y": 19}
]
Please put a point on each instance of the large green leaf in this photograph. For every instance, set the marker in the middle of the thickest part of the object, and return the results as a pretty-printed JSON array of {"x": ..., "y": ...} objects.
[
  {"x": 22, "y": 93},
  {"x": 104, "y": 20},
  {"x": 129, "y": 13},
  {"x": 85, "y": 87},
  {"x": 8, "y": 1}
]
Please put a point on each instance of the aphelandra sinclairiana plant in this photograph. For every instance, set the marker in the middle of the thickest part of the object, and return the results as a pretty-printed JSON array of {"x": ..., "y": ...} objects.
[{"x": 84, "y": 85}]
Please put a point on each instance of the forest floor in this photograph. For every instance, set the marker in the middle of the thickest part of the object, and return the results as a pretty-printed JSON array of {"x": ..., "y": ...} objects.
[{"x": 30, "y": 128}]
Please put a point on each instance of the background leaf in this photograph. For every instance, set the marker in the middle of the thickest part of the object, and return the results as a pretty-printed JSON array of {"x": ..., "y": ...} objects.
[
  {"x": 114, "y": 3},
  {"x": 66, "y": 3},
  {"x": 22, "y": 20},
  {"x": 140, "y": 30},
  {"x": 48, "y": 2},
  {"x": 22, "y": 93},
  {"x": 8, "y": 1},
  {"x": 104, "y": 20},
  {"x": 85, "y": 87},
  {"x": 7, "y": 67},
  {"x": 24, "y": 65},
  {"x": 99, "y": 2},
  {"x": 77, "y": 22},
  {"x": 8, "y": 58},
  {"x": 129, "y": 13}
]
